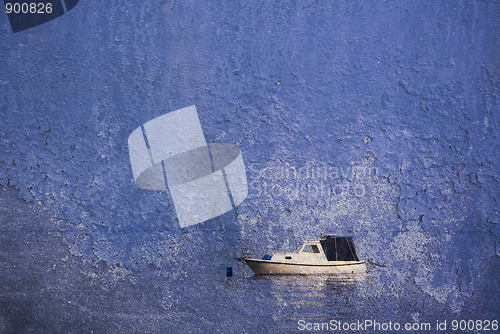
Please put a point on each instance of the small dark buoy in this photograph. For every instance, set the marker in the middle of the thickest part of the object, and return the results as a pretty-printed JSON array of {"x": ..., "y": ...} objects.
[{"x": 229, "y": 271}]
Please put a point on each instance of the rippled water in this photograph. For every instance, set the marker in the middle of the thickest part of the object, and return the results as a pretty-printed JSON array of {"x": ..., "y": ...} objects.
[
  {"x": 310, "y": 298},
  {"x": 292, "y": 302},
  {"x": 46, "y": 287}
]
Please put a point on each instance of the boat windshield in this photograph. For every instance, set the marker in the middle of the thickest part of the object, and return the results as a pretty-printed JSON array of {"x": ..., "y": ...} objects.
[{"x": 311, "y": 249}]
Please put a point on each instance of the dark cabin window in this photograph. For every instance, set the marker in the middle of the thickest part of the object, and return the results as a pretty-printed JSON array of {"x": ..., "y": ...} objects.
[
  {"x": 311, "y": 249},
  {"x": 339, "y": 249}
]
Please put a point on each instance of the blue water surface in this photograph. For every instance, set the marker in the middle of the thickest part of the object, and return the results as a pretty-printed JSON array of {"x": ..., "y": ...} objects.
[{"x": 375, "y": 119}]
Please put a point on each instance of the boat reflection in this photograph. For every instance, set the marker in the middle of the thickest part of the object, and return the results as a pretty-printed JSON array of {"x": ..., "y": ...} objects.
[{"x": 312, "y": 298}]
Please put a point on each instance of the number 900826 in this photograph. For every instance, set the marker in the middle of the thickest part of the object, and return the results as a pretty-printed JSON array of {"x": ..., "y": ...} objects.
[{"x": 28, "y": 8}]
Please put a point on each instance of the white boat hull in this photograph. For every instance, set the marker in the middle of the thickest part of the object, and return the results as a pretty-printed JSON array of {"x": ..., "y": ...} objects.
[{"x": 264, "y": 267}]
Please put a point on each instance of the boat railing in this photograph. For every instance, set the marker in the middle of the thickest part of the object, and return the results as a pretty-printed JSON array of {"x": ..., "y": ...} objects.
[{"x": 244, "y": 253}]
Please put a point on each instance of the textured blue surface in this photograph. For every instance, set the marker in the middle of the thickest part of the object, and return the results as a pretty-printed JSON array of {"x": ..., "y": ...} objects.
[{"x": 387, "y": 111}]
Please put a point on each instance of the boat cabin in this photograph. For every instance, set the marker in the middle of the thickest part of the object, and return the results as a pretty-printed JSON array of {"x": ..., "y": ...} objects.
[{"x": 328, "y": 248}]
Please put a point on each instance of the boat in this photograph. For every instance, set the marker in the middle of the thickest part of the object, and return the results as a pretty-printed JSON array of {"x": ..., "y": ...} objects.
[{"x": 330, "y": 255}]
